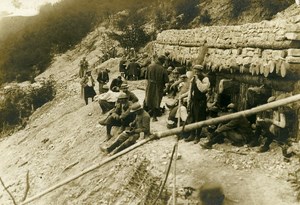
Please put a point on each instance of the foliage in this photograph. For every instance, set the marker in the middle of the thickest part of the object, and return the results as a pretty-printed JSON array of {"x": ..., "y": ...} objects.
[
  {"x": 239, "y": 6},
  {"x": 205, "y": 18},
  {"x": 274, "y": 6},
  {"x": 18, "y": 103},
  {"x": 186, "y": 11},
  {"x": 56, "y": 29},
  {"x": 132, "y": 32}
]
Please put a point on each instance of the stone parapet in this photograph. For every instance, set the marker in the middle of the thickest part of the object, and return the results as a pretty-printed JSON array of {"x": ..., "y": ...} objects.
[{"x": 265, "y": 48}]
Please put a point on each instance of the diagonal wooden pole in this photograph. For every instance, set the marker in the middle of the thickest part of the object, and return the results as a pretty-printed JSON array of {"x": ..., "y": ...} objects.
[
  {"x": 11, "y": 196},
  {"x": 166, "y": 177},
  {"x": 87, "y": 170},
  {"x": 228, "y": 117}
]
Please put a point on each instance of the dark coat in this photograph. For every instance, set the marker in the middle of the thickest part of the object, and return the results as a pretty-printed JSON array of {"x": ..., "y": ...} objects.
[
  {"x": 156, "y": 77},
  {"x": 103, "y": 77}
]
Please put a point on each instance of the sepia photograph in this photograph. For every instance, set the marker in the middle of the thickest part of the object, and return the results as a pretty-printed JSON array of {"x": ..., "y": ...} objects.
[{"x": 131, "y": 102}]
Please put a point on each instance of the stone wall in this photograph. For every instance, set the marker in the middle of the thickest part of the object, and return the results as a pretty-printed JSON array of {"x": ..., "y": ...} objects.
[
  {"x": 269, "y": 47},
  {"x": 260, "y": 54}
]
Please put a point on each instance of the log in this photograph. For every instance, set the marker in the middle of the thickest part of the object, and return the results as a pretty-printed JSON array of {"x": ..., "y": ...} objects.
[
  {"x": 283, "y": 69},
  {"x": 266, "y": 69},
  {"x": 272, "y": 66},
  {"x": 276, "y": 83},
  {"x": 228, "y": 117},
  {"x": 278, "y": 65}
]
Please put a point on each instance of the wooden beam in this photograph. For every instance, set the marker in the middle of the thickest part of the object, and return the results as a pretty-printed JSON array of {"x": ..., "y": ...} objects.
[{"x": 228, "y": 117}]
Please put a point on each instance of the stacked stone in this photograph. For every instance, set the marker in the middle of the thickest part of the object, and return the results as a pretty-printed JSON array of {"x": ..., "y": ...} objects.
[{"x": 269, "y": 47}]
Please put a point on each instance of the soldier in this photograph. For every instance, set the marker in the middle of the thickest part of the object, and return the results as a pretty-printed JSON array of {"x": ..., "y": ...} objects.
[
  {"x": 84, "y": 65},
  {"x": 274, "y": 128},
  {"x": 107, "y": 99},
  {"x": 102, "y": 79},
  {"x": 237, "y": 130},
  {"x": 197, "y": 101},
  {"x": 140, "y": 127},
  {"x": 120, "y": 116},
  {"x": 88, "y": 84},
  {"x": 131, "y": 96},
  {"x": 156, "y": 77}
]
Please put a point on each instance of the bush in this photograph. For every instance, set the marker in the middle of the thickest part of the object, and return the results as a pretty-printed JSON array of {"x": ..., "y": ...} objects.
[
  {"x": 132, "y": 32},
  {"x": 18, "y": 103},
  {"x": 238, "y": 6},
  {"x": 205, "y": 18},
  {"x": 275, "y": 6},
  {"x": 186, "y": 11}
]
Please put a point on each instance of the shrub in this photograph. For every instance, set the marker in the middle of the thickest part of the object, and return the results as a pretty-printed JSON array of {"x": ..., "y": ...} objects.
[
  {"x": 275, "y": 6},
  {"x": 18, "y": 103},
  {"x": 238, "y": 6},
  {"x": 205, "y": 18},
  {"x": 187, "y": 10},
  {"x": 132, "y": 33}
]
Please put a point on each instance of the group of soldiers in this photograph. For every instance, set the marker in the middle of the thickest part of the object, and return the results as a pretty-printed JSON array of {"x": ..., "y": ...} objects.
[{"x": 195, "y": 98}]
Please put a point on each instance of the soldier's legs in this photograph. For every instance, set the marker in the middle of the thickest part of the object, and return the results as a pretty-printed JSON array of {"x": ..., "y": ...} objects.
[
  {"x": 121, "y": 138},
  {"x": 127, "y": 143}
]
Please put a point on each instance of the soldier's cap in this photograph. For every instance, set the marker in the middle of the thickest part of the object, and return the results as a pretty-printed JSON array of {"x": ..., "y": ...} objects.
[
  {"x": 198, "y": 67},
  {"x": 135, "y": 107},
  {"x": 175, "y": 71},
  {"x": 231, "y": 106},
  {"x": 170, "y": 68},
  {"x": 122, "y": 96},
  {"x": 124, "y": 86},
  {"x": 271, "y": 99}
]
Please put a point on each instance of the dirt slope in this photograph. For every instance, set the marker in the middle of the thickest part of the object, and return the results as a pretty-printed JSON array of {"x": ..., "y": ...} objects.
[{"x": 62, "y": 138}]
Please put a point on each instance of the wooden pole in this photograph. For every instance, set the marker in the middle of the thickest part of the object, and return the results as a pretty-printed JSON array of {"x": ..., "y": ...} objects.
[
  {"x": 87, "y": 170},
  {"x": 166, "y": 177},
  {"x": 174, "y": 173},
  {"x": 228, "y": 117},
  {"x": 5, "y": 188}
]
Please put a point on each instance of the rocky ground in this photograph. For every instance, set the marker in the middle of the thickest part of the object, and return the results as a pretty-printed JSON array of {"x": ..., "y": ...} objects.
[{"x": 63, "y": 138}]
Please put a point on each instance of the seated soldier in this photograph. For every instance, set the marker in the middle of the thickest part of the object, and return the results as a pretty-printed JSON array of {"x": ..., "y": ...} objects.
[
  {"x": 139, "y": 127},
  {"x": 237, "y": 130},
  {"x": 117, "y": 82},
  {"x": 120, "y": 115},
  {"x": 212, "y": 103},
  {"x": 183, "y": 85},
  {"x": 107, "y": 99},
  {"x": 131, "y": 96},
  {"x": 274, "y": 129},
  {"x": 175, "y": 113},
  {"x": 171, "y": 90},
  {"x": 102, "y": 79}
]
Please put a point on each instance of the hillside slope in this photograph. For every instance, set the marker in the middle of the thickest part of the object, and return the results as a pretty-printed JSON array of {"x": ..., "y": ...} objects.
[{"x": 63, "y": 138}]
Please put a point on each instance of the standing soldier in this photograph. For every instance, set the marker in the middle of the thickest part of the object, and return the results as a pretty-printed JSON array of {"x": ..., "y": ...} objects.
[
  {"x": 84, "y": 65},
  {"x": 197, "y": 101},
  {"x": 157, "y": 77},
  {"x": 88, "y": 84}
]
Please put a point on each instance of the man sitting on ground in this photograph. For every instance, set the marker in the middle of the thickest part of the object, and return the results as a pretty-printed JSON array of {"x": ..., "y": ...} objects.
[
  {"x": 120, "y": 116},
  {"x": 139, "y": 127},
  {"x": 274, "y": 129},
  {"x": 236, "y": 130},
  {"x": 108, "y": 99},
  {"x": 131, "y": 96}
]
